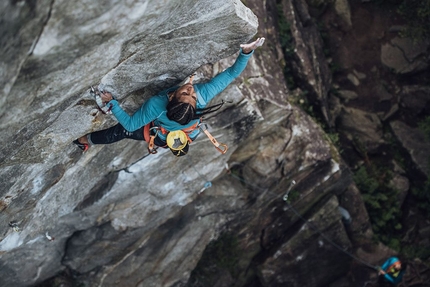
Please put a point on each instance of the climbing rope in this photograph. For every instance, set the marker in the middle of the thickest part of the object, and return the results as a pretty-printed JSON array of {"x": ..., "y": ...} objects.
[
  {"x": 328, "y": 239},
  {"x": 290, "y": 207},
  {"x": 207, "y": 184}
]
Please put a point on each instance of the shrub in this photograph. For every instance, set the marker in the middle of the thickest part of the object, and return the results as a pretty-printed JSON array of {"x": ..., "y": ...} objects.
[
  {"x": 423, "y": 196},
  {"x": 423, "y": 192},
  {"x": 417, "y": 15},
  {"x": 286, "y": 41},
  {"x": 413, "y": 251},
  {"x": 424, "y": 126},
  {"x": 222, "y": 253},
  {"x": 381, "y": 203}
]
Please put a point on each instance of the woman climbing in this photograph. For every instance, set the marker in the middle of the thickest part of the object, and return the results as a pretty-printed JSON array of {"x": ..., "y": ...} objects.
[
  {"x": 391, "y": 272},
  {"x": 176, "y": 109}
]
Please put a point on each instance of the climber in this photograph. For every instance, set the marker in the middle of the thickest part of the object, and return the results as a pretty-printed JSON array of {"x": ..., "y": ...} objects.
[
  {"x": 391, "y": 272},
  {"x": 175, "y": 109}
]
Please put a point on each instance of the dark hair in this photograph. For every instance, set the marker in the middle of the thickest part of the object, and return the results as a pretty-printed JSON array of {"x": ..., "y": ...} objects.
[
  {"x": 179, "y": 112},
  {"x": 183, "y": 113}
]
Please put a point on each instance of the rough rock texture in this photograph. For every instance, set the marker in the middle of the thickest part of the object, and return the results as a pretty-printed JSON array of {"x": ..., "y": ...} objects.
[
  {"x": 347, "y": 95},
  {"x": 290, "y": 265},
  {"x": 415, "y": 98},
  {"x": 48, "y": 187},
  {"x": 414, "y": 141},
  {"x": 405, "y": 55},
  {"x": 365, "y": 129},
  {"x": 343, "y": 9},
  {"x": 308, "y": 60},
  {"x": 117, "y": 217}
]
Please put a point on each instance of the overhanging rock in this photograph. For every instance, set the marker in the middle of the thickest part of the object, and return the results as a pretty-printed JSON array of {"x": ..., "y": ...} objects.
[{"x": 63, "y": 47}]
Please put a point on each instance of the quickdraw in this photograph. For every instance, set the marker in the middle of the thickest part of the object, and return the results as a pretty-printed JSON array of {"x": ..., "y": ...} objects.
[
  {"x": 285, "y": 198},
  {"x": 151, "y": 146},
  {"x": 217, "y": 145}
]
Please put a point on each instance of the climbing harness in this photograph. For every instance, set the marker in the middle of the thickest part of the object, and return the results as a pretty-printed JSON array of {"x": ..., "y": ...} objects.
[
  {"x": 96, "y": 93},
  {"x": 150, "y": 132}
]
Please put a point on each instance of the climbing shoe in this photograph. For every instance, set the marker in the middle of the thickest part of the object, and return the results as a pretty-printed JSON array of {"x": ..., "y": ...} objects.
[{"x": 83, "y": 147}]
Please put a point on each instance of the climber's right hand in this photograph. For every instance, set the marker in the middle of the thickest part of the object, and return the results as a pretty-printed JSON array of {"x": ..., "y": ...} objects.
[{"x": 106, "y": 97}]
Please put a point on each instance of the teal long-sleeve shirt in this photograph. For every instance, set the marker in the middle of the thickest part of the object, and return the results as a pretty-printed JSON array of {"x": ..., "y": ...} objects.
[
  {"x": 154, "y": 109},
  {"x": 391, "y": 277}
]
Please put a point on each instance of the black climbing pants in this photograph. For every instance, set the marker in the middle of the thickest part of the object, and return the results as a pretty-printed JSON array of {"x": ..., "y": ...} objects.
[
  {"x": 114, "y": 134},
  {"x": 117, "y": 133}
]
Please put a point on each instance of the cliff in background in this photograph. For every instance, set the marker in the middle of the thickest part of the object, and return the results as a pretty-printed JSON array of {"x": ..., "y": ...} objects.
[{"x": 116, "y": 216}]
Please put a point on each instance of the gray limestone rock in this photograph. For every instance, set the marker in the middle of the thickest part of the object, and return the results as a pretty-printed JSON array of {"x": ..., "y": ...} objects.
[
  {"x": 400, "y": 183},
  {"x": 414, "y": 142},
  {"x": 343, "y": 10},
  {"x": 319, "y": 242},
  {"x": 308, "y": 62},
  {"x": 115, "y": 216},
  {"x": 364, "y": 129},
  {"x": 136, "y": 48},
  {"x": 353, "y": 79},
  {"x": 347, "y": 95},
  {"x": 405, "y": 55},
  {"x": 359, "y": 228},
  {"x": 415, "y": 98}
]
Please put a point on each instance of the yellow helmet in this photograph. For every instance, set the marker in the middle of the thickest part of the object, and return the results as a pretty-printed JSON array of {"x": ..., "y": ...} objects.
[{"x": 177, "y": 141}]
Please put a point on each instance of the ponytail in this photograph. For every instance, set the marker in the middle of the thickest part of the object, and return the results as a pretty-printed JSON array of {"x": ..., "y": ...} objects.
[{"x": 183, "y": 113}]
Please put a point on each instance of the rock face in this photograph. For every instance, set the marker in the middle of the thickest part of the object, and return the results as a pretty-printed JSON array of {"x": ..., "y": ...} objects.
[
  {"x": 415, "y": 98},
  {"x": 293, "y": 254},
  {"x": 308, "y": 61},
  {"x": 365, "y": 129},
  {"x": 115, "y": 216},
  {"x": 414, "y": 141},
  {"x": 405, "y": 55}
]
